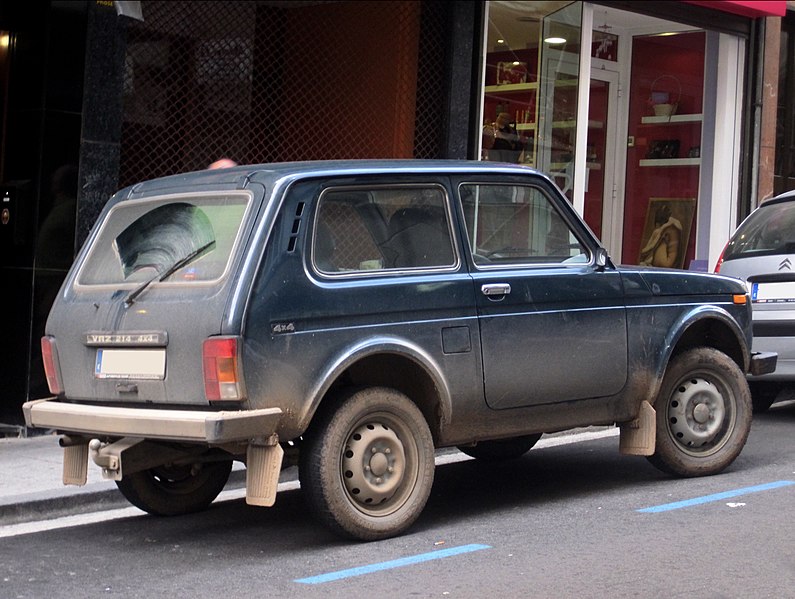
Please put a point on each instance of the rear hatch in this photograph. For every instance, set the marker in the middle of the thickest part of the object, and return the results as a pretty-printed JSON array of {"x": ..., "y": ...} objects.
[
  {"x": 762, "y": 253},
  {"x": 150, "y": 286}
]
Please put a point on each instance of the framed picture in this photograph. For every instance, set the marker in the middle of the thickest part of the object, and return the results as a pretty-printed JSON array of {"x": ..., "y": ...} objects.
[
  {"x": 511, "y": 72},
  {"x": 667, "y": 232}
]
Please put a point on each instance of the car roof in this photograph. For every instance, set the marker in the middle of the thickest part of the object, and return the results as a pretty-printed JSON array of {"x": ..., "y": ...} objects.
[
  {"x": 787, "y": 196},
  {"x": 238, "y": 175}
]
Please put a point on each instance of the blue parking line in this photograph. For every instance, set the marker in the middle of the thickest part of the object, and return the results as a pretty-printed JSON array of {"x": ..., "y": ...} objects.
[
  {"x": 667, "y": 507},
  {"x": 395, "y": 563}
]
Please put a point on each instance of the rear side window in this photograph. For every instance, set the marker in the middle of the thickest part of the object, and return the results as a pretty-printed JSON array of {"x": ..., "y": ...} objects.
[
  {"x": 768, "y": 230},
  {"x": 360, "y": 230},
  {"x": 517, "y": 224},
  {"x": 189, "y": 237}
]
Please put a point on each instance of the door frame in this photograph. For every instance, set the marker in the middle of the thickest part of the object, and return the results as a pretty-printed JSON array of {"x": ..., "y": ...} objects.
[{"x": 615, "y": 153}]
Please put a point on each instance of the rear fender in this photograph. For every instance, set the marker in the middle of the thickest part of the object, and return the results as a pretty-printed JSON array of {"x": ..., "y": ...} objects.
[{"x": 380, "y": 346}]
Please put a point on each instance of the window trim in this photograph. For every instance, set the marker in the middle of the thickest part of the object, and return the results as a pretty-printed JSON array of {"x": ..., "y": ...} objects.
[
  {"x": 525, "y": 265},
  {"x": 385, "y": 272}
]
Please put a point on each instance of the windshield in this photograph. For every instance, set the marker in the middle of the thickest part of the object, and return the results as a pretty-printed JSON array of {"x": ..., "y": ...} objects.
[
  {"x": 768, "y": 230},
  {"x": 142, "y": 240}
]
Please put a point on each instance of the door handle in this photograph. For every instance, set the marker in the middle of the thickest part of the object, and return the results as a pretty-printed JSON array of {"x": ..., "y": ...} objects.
[{"x": 496, "y": 289}]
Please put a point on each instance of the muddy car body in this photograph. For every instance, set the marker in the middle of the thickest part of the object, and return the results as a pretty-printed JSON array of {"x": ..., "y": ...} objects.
[{"x": 358, "y": 315}]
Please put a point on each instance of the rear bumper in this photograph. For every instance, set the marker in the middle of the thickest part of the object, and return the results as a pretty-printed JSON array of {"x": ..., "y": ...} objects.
[
  {"x": 763, "y": 363},
  {"x": 213, "y": 428}
]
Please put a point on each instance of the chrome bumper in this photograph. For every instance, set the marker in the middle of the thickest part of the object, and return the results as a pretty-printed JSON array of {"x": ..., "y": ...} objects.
[{"x": 213, "y": 428}]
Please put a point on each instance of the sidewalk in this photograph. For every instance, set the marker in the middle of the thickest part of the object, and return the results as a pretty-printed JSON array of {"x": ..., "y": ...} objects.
[{"x": 31, "y": 488}]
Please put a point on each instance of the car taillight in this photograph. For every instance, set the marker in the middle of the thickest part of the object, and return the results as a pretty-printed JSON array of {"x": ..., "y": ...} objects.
[
  {"x": 49, "y": 354},
  {"x": 222, "y": 380},
  {"x": 720, "y": 259}
]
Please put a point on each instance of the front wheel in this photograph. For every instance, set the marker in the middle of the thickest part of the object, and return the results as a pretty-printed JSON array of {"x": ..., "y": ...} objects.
[
  {"x": 703, "y": 414},
  {"x": 172, "y": 490},
  {"x": 367, "y": 462}
]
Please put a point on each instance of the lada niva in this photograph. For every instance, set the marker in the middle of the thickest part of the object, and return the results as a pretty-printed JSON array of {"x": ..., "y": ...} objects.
[{"x": 354, "y": 316}]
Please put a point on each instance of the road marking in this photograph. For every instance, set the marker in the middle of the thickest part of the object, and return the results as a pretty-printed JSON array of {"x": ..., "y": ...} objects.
[
  {"x": 395, "y": 563},
  {"x": 667, "y": 507}
]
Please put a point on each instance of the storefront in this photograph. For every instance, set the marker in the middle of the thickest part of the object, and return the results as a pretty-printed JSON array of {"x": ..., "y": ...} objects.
[{"x": 639, "y": 118}]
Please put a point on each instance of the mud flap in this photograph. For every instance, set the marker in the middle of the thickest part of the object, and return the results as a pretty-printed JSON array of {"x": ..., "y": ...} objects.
[
  {"x": 75, "y": 464},
  {"x": 263, "y": 465},
  {"x": 639, "y": 436}
]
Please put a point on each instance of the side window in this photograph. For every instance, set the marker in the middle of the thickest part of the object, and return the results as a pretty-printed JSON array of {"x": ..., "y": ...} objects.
[
  {"x": 381, "y": 229},
  {"x": 517, "y": 224}
]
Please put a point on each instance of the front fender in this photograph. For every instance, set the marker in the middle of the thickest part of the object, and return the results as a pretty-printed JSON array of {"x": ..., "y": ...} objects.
[{"x": 706, "y": 325}]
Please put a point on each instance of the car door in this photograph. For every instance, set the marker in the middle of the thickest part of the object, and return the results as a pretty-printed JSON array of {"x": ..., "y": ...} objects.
[{"x": 552, "y": 322}]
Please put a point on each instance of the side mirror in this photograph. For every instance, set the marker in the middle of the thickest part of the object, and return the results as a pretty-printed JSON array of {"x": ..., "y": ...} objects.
[{"x": 601, "y": 258}]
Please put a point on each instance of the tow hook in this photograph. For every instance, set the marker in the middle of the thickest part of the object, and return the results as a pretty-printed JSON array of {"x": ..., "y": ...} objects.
[{"x": 108, "y": 457}]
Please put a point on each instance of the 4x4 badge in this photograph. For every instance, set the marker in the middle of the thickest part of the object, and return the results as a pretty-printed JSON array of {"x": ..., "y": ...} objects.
[{"x": 785, "y": 264}]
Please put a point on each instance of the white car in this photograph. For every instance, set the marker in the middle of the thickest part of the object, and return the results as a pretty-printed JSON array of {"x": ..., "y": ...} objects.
[{"x": 762, "y": 252}]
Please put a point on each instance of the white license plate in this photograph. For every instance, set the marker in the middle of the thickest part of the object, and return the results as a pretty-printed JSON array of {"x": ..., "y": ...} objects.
[
  {"x": 773, "y": 292},
  {"x": 131, "y": 364}
]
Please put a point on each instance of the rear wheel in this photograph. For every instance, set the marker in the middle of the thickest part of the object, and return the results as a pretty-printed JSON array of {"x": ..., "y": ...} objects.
[
  {"x": 703, "y": 414},
  {"x": 501, "y": 449},
  {"x": 367, "y": 463},
  {"x": 172, "y": 490}
]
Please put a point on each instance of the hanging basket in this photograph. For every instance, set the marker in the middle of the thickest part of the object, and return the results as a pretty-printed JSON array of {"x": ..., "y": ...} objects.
[{"x": 663, "y": 102}]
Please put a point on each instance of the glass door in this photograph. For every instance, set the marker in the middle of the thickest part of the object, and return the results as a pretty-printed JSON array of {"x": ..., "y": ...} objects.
[
  {"x": 558, "y": 91},
  {"x": 601, "y": 186}
]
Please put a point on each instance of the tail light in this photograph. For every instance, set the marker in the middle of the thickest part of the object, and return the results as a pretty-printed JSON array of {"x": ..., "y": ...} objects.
[
  {"x": 222, "y": 378},
  {"x": 52, "y": 370},
  {"x": 720, "y": 260}
]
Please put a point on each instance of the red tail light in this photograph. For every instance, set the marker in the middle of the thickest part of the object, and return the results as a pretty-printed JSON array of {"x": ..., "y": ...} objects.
[
  {"x": 49, "y": 354},
  {"x": 222, "y": 380},
  {"x": 720, "y": 259}
]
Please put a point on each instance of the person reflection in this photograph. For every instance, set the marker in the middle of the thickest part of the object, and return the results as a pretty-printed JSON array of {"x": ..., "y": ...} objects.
[
  {"x": 55, "y": 250},
  {"x": 507, "y": 146}
]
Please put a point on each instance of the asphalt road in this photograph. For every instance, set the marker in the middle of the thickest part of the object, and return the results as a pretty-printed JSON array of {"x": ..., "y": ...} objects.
[{"x": 564, "y": 521}]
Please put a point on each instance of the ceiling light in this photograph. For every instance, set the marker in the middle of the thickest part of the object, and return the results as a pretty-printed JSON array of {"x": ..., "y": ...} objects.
[{"x": 555, "y": 40}]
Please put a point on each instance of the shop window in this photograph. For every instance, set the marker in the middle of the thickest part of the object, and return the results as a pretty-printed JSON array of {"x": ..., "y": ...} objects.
[
  {"x": 664, "y": 153},
  {"x": 530, "y": 86}
]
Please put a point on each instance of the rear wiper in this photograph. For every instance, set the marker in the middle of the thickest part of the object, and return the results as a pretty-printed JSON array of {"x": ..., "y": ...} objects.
[{"x": 170, "y": 271}]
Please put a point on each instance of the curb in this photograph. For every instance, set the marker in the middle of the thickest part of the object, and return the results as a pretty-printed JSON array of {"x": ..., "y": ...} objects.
[{"x": 35, "y": 507}]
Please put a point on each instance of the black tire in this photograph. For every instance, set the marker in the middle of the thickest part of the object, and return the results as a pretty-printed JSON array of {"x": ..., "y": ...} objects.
[
  {"x": 704, "y": 414},
  {"x": 763, "y": 394},
  {"x": 501, "y": 449},
  {"x": 175, "y": 490},
  {"x": 367, "y": 463}
]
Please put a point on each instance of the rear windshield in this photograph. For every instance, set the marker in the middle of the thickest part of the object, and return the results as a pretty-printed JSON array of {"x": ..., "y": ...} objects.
[
  {"x": 768, "y": 230},
  {"x": 142, "y": 239}
]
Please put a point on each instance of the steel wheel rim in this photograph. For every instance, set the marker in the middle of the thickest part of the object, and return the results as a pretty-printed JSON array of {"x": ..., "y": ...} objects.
[
  {"x": 378, "y": 465},
  {"x": 700, "y": 414}
]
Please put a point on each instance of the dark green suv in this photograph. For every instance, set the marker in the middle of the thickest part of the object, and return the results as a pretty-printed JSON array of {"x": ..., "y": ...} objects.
[{"x": 355, "y": 316}]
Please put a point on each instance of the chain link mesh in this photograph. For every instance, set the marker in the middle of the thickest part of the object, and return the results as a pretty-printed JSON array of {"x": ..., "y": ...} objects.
[{"x": 274, "y": 81}]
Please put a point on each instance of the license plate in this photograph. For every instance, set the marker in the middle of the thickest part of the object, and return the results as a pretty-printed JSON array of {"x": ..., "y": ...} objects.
[
  {"x": 147, "y": 364},
  {"x": 782, "y": 292}
]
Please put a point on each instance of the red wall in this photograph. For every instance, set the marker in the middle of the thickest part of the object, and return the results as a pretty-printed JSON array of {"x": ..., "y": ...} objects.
[{"x": 380, "y": 80}]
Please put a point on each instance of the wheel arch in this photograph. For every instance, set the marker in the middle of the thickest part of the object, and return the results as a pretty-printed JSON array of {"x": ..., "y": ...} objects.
[
  {"x": 704, "y": 326},
  {"x": 387, "y": 362},
  {"x": 712, "y": 327}
]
